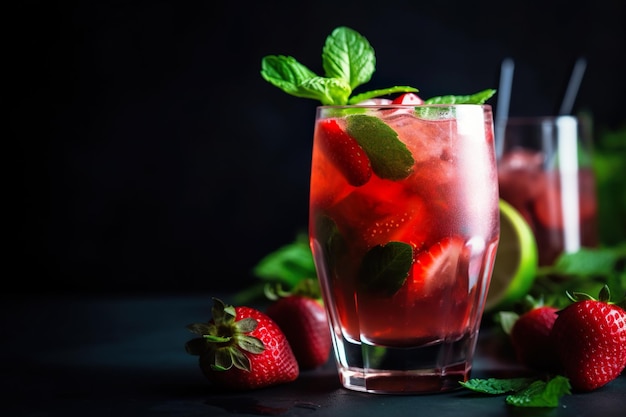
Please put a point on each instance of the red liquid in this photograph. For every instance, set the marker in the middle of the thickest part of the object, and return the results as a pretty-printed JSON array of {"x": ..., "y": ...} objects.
[
  {"x": 538, "y": 195},
  {"x": 449, "y": 200}
]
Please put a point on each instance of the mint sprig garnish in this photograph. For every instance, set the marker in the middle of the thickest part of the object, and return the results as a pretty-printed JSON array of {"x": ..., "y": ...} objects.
[
  {"x": 523, "y": 392},
  {"x": 348, "y": 60}
]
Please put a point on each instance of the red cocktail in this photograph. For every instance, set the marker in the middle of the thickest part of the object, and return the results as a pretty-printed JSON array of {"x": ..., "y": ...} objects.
[{"x": 404, "y": 228}]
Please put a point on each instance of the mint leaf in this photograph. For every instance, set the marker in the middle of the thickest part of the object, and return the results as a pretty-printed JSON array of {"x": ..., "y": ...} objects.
[
  {"x": 586, "y": 270},
  {"x": 589, "y": 261},
  {"x": 330, "y": 91},
  {"x": 382, "y": 92},
  {"x": 385, "y": 268},
  {"x": 288, "y": 264},
  {"x": 390, "y": 158},
  {"x": 348, "y": 56},
  {"x": 541, "y": 393},
  {"x": 496, "y": 386},
  {"x": 477, "y": 98},
  {"x": 287, "y": 74},
  {"x": 527, "y": 392}
]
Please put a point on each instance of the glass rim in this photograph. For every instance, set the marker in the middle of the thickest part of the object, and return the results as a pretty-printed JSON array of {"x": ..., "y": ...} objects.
[{"x": 401, "y": 106}]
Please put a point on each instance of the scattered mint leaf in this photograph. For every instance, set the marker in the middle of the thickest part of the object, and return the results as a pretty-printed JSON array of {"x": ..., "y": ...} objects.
[
  {"x": 495, "y": 386},
  {"x": 385, "y": 268},
  {"x": 477, "y": 98},
  {"x": 541, "y": 393},
  {"x": 348, "y": 60},
  {"x": 390, "y": 158},
  {"x": 526, "y": 392}
]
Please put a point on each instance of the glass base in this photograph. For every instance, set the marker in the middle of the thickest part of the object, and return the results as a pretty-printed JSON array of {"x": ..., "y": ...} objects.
[{"x": 435, "y": 367}]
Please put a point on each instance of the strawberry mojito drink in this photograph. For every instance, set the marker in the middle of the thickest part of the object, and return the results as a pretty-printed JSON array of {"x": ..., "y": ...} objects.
[
  {"x": 403, "y": 220},
  {"x": 404, "y": 229}
]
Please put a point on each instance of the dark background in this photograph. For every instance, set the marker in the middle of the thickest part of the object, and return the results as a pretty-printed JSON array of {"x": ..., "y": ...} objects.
[{"x": 147, "y": 154}]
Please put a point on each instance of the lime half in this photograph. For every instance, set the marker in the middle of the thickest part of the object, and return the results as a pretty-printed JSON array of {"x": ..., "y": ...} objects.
[{"x": 515, "y": 267}]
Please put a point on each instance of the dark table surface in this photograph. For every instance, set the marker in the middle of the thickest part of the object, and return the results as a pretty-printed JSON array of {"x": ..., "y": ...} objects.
[{"x": 123, "y": 355}]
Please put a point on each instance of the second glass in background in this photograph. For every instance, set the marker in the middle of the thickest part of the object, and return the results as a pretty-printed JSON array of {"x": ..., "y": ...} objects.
[{"x": 545, "y": 172}]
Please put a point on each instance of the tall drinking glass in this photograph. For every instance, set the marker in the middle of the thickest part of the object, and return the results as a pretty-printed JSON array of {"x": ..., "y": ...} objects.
[
  {"x": 404, "y": 228},
  {"x": 545, "y": 172}
]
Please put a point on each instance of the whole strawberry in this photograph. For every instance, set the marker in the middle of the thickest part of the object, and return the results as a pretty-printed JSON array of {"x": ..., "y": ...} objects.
[
  {"x": 241, "y": 348},
  {"x": 303, "y": 320},
  {"x": 590, "y": 339},
  {"x": 530, "y": 337}
]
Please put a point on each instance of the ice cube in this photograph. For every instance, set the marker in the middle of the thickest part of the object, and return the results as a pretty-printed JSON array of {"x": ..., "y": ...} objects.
[{"x": 426, "y": 139}]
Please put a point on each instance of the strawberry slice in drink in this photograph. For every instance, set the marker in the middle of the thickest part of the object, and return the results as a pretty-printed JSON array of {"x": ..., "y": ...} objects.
[
  {"x": 383, "y": 211},
  {"x": 439, "y": 282},
  {"x": 408, "y": 98},
  {"x": 437, "y": 267},
  {"x": 344, "y": 151}
]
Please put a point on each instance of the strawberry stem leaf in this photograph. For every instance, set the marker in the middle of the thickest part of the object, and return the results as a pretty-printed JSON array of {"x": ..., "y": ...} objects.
[
  {"x": 223, "y": 359},
  {"x": 225, "y": 340},
  {"x": 240, "y": 360},
  {"x": 245, "y": 325},
  {"x": 250, "y": 344},
  {"x": 202, "y": 328},
  {"x": 605, "y": 294},
  {"x": 578, "y": 296},
  {"x": 216, "y": 339}
]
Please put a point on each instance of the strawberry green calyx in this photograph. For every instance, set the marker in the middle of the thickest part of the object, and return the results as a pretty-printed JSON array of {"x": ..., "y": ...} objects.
[
  {"x": 225, "y": 339},
  {"x": 604, "y": 295}
]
